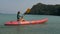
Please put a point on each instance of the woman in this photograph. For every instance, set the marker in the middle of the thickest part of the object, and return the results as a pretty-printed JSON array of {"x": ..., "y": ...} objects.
[{"x": 19, "y": 16}]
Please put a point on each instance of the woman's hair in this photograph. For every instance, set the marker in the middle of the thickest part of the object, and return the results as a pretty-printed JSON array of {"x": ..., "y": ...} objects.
[{"x": 18, "y": 12}]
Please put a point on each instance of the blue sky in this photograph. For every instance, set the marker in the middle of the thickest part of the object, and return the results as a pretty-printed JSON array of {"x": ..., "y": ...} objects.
[{"x": 12, "y": 6}]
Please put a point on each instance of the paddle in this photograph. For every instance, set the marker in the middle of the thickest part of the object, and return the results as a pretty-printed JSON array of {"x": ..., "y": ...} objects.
[{"x": 27, "y": 11}]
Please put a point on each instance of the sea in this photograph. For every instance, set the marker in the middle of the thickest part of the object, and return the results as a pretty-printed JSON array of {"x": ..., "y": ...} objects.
[{"x": 52, "y": 26}]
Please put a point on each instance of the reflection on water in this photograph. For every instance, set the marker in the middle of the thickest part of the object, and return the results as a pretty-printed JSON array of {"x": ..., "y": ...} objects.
[{"x": 24, "y": 29}]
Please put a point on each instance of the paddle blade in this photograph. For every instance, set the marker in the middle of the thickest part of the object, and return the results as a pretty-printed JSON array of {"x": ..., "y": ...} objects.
[{"x": 28, "y": 10}]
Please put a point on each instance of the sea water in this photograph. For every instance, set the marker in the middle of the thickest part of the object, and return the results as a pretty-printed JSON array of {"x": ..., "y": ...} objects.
[{"x": 50, "y": 27}]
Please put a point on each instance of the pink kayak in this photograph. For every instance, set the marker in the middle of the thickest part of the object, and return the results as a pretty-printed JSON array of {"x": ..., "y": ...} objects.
[{"x": 41, "y": 21}]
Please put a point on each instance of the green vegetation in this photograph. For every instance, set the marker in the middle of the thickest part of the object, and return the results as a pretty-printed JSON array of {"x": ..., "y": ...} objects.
[{"x": 43, "y": 9}]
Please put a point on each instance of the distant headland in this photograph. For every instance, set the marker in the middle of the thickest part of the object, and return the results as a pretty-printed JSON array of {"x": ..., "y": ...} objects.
[{"x": 43, "y": 9}]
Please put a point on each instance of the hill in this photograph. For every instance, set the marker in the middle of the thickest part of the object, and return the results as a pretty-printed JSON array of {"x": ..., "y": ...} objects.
[{"x": 43, "y": 9}]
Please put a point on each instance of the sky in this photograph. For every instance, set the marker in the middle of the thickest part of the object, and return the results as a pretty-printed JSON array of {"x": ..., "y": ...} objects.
[{"x": 13, "y": 6}]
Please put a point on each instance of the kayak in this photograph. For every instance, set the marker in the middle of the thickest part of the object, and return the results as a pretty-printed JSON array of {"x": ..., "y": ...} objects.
[{"x": 41, "y": 21}]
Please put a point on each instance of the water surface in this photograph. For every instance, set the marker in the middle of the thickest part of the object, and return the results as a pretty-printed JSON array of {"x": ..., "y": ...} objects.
[{"x": 50, "y": 27}]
